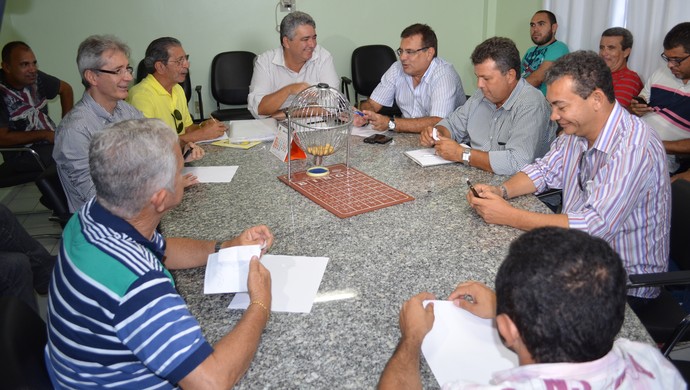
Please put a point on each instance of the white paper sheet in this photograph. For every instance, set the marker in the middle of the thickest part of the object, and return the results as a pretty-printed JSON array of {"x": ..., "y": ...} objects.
[
  {"x": 365, "y": 131},
  {"x": 212, "y": 174},
  {"x": 426, "y": 157},
  {"x": 210, "y": 141},
  {"x": 252, "y": 130},
  {"x": 295, "y": 281},
  {"x": 462, "y": 346},
  {"x": 227, "y": 270}
]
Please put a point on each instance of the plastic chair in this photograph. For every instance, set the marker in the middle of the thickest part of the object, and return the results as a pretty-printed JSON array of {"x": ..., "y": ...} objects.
[
  {"x": 23, "y": 338},
  {"x": 186, "y": 86},
  {"x": 369, "y": 63},
  {"x": 231, "y": 75}
]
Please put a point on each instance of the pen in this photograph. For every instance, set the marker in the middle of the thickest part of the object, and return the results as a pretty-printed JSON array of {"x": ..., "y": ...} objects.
[
  {"x": 214, "y": 119},
  {"x": 187, "y": 153},
  {"x": 360, "y": 113}
]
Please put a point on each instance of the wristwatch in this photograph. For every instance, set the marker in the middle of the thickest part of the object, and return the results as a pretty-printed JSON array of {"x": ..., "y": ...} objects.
[
  {"x": 466, "y": 153},
  {"x": 391, "y": 123}
]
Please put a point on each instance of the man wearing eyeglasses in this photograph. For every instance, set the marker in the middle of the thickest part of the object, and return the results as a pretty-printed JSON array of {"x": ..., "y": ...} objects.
[
  {"x": 159, "y": 94},
  {"x": 610, "y": 165},
  {"x": 425, "y": 87},
  {"x": 666, "y": 96},
  {"x": 24, "y": 119},
  {"x": 282, "y": 73}
]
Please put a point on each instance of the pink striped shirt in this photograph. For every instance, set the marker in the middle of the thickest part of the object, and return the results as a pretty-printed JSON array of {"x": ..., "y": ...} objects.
[{"x": 626, "y": 194}]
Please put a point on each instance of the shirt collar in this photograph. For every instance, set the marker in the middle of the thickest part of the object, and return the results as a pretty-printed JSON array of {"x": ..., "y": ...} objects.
[
  {"x": 104, "y": 217},
  {"x": 99, "y": 110},
  {"x": 279, "y": 58},
  {"x": 605, "y": 142}
]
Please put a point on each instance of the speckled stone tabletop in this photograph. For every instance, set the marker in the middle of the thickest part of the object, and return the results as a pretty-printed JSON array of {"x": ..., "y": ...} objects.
[{"x": 377, "y": 260}]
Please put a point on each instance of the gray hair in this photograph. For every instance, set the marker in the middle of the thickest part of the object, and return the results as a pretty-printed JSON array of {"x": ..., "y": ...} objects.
[
  {"x": 158, "y": 51},
  {"x": 130, "y": 161},
  {"x": 293, "y": 20},
  {"x": 90, "y": 53},
  {"x": 627, "y": 36}
]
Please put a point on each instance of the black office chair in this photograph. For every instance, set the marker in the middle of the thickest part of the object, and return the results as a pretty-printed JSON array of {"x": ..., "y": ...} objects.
[
  {"x": 369, "y": 63},
  {"x": 231, "y": 74},
  {"x": 54, "y": 196},
  {"x": 186, "y": 86},
  {"x": 664, "y": 318},
  {"x": 23, "y": 338},
  {"x": 10, "y": 177}
]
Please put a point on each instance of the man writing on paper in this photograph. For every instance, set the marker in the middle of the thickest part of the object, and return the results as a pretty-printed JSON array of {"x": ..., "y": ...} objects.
[
  {"x": 559, "y": 307},
  {"x": 610, "y": 165},
  {"x": 425, "y": 87},
  {"x": 159, "y": 94},
  {"x": 505, "y": 123},
  {"x": 282, "y": 73},
  {"x": 114, "y": 315}
]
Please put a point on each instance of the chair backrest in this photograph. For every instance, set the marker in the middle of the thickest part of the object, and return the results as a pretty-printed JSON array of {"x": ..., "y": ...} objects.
[
  {"x": 22, "y": 341},
  {"x": 369, "y": 63},
  {"x": 186, "y": 84},
  {"x": 231, "y": 74},
  {"x": 50, "y": 186},
  {"x": 680, "y": 223},
  {"x": 9, "y": 177}
]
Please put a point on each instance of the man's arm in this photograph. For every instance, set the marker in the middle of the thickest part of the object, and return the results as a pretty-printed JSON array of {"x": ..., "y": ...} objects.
[
  {"x": 270, "y": 103},
  {"x": 233, "y": 354},
  {"x": 537, "y": 77},
  {"x": 402, "y": 370},
  {"x": 20, "y": 138},
  {"x": 402, "y": 125},
  {"x": 677, "y": 147},
  {"x": 66, "y": 97},
  {"x": 206, "y": 130}
]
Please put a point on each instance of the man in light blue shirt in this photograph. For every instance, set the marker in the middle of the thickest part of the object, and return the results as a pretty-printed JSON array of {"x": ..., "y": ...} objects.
[{"x": 425, "y": 87}]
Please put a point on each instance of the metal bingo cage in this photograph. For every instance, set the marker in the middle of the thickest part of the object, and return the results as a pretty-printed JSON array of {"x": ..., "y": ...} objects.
[{"x": 319, "y": 120}]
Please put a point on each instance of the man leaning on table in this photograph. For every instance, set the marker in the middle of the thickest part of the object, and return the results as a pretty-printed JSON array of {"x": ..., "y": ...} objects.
[
  {"x": 559, "y": 307},
  {"x": 610, "y": 165},
  {"x": 159, "y": 94},
  {"x": 282, "y": 73},
  {"x": 504, "y": 125},
  {"x": 425, "y": 87},
  {"x": 114, "y": 316}
]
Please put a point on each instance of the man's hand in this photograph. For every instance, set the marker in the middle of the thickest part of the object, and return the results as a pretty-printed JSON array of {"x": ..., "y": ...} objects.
[
  {"x": 490, "y": 205},
  {"x": 378, "y": 122},
  {"x": 448, "y": 149},
  {"x": 189, "y": 180},
  {"x": 359, "y": 120},
  {"x": 211, "y": 129},
  {"x": 483, "y": 302},
  {"x": 195, "y": 152},
  {"x": 681, "y": 176},
  {"x": 259, "y": 283},
  {"x": 638, "y": 108},
  {"x": 255, "y": 235},
  {"x": 416, "y": 320}
]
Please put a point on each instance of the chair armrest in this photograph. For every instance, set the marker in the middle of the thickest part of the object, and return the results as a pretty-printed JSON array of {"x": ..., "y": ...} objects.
[
  {"x": 20, "y": 149},
  {"x": 201, "y": 103},
  {"x": 673, "y": 278},
  {"x": 345, "y": 83},
  {"x": 677, "y": 336}
]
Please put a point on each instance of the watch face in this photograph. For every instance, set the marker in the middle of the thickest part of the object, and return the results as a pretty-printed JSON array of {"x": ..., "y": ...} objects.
[{"x": 391, "y": 125}]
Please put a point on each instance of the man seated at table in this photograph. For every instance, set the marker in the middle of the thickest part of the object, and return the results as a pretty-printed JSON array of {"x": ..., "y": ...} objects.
[
  {"x": 114, "y": 315},
  {"x": 614, "y": 47},
  {"x": 159, "y": 94},
  {"x": 282, "y": 73},
  {"x": 505, "y": 122},
  {"x": 610, "y": 165},
  {"x": 559, "y": 307},
  {"x": 24, "y": 119},
  {"x": 667, "y": 93},
  {"x": 425, "y": 87}
]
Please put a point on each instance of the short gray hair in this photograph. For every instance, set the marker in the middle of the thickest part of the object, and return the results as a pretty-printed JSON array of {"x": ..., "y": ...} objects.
[
  {"x": 130, "y": 161},
  {"x": 290, "y": 23},
  {"x": 627, "y": 36},
  {"x": 90, "y": 53},
  {"x": 158, "y": 51}
]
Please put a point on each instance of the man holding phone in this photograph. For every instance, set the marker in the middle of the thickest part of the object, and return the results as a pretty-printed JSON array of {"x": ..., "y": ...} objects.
[
  {"x": 668, "y": 93},
  {"x": 610, "y": 166}
]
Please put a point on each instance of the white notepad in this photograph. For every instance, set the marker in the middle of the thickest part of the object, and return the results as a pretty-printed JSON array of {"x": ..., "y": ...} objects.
[
  {"x": 252, "y": 130},
  {"x": 426, "y": 157}
]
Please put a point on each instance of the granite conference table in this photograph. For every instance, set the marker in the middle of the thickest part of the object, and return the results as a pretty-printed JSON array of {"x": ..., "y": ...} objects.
[{"x": 377, "y": 260}]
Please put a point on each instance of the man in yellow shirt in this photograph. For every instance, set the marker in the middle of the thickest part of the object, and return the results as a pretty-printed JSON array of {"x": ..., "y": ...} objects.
[{"x": 159, "y": 95}]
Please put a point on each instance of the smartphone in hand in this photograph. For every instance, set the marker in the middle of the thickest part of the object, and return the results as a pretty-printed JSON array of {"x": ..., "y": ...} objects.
[
  {"x": 640, "y": 100},
  {"x": 474, "y": 191}
]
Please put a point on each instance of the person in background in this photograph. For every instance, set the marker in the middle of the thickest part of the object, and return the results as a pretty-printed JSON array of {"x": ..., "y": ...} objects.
[
  {"x": 425, "y": 87},
  {"x": 559, "y": 307},
  {"x": 24, "y": 119},
  {"x": 538, "y": 59},
  {"x": 615, "y": 46},
  {"x": 282, "y": 73}
]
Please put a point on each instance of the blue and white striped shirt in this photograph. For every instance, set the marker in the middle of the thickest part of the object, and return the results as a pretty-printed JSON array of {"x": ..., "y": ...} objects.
[
  {"x": 625, "y": 197},
  {"x": 114, "y": 316}
]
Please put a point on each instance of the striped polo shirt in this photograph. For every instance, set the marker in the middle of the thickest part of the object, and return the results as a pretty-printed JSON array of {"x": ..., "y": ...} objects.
[
  {"x": 114, "y": 316},
  {"x": 626, "y": 84},
  {"x": 618, "y": 190}
]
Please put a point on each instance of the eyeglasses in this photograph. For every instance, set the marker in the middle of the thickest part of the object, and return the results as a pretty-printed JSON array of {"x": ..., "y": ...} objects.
[
  {"x": 410, "y": 52},
  {"x": 177, "y": 117},
  {"x": 180, "y": 60},
  {"x": 120, "y": 72},
  {"x": 674, "y": 61}
]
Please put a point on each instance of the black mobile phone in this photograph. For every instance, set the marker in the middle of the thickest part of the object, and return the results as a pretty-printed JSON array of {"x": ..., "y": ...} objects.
[
  {"x": 377, "y": 139},
  {"x": 474, "y": 191},
  {"x": 640, "y": 100}
]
